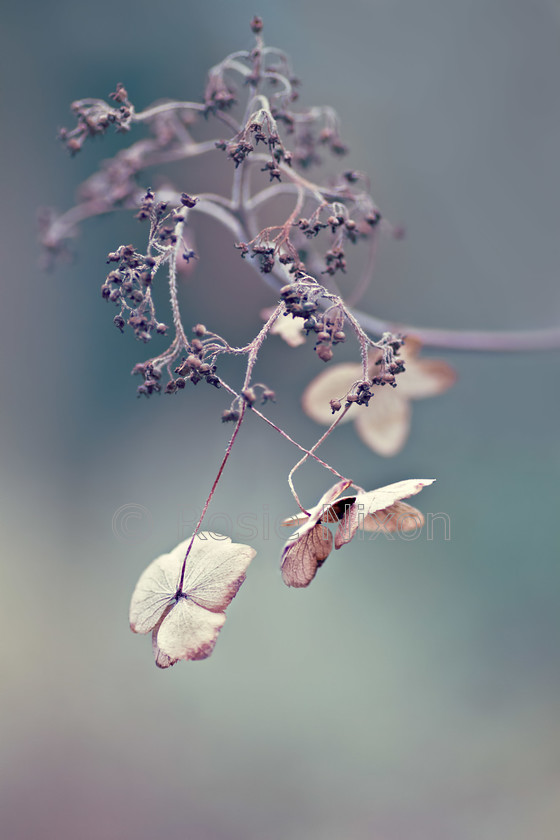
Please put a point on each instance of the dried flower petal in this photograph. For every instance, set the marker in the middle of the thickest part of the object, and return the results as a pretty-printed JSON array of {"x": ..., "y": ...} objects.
[
  {"x": 376, "y": 510},
  {"x": 302, "y": 558},
  {"x": 311, "y": 544},
  {"x": 185, "y": 624},
  {"x": 376, "y": 506}
]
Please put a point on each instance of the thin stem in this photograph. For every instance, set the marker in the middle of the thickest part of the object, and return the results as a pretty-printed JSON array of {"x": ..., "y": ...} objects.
[
  {"x": 209, "y": 499},
  {"x": 311, "y": 451},
  {"x": 257, "y": 343},
  {"x": 308, "y": 452},
  {"x": 165, "y": 107},
  {"x": 280, "y": 431}
]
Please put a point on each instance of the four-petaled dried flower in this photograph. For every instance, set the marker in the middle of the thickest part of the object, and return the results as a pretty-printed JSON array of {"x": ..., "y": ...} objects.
[
  {"x": 377, "y": 510},
  {"x": 385, "y": 424},
  {"x": 186, "y": 616}
]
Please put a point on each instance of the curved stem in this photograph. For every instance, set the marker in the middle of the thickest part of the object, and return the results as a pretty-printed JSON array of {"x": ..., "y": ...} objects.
[{"x": 311, "y": 451}]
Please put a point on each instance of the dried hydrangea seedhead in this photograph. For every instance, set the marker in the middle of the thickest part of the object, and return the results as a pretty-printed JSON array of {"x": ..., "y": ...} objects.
[
  {"x": 185, "y": 618},
  {"x": 377, "y": 510},
  {"x": 384, "y": 424}
]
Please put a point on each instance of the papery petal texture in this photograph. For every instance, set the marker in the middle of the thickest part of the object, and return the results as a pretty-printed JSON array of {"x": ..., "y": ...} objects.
[
  {"x": 215, "y": 570},
  {"x": 375, "y": 501},
  {"x": 156, "y": 589},
  {"x": 302, "y": 558},
  {"x": 185, "y": 624},
  {"x": 189, "y": 631}
]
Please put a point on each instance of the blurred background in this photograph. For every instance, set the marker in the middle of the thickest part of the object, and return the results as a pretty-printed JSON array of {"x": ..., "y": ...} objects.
[{"x": 413, "y": 692}]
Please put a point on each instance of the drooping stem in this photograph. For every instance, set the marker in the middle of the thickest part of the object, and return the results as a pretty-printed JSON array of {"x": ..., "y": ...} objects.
[{"x": 209, "y": 499}]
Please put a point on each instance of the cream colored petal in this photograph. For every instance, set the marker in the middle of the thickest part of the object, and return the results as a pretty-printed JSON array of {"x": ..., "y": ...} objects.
[
  {"x": 161, "y": 658},
  {"x": 332, "y": 384},
  {"x": 215, "y": 570},
  {"x": 155, "y": 590},
  {"x": 188, "y": 632},
  {"x": 382, "y": 509},
  {"x": 384, "y": 424},
  {"x": 425, "y": 378}
]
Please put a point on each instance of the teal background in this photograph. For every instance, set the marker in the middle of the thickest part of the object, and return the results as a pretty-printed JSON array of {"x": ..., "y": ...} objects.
[{"x": 412, "y": 693}]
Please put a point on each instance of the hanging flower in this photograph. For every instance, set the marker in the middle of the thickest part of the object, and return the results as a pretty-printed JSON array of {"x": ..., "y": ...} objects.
[
  {"x": 376, "y": 510},
  {"x": 185, "y": 621},
  {"x": 384, "y": 424}
]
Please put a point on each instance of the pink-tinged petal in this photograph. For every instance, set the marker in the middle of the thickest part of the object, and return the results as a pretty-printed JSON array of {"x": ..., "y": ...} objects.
[
  {"x": 332, "y": 384},
  {"x": 425, "y": 378},
  {"x": 384, "y": 424},
  {"x": 215, "y": 570},
  {"x": 161, "y": 658},
  {"x": 188, "y": 632},
  {"x": 398, "y": 517},
  {"x": 311, "y": 544},
  {"x": 302, "y": 557},
  {"x": 374, "y": 502},
  {"x": 156, "y": 589}
]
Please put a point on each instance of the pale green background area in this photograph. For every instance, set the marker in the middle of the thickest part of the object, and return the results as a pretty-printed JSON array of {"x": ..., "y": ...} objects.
[{"x": 412, "y": 693}]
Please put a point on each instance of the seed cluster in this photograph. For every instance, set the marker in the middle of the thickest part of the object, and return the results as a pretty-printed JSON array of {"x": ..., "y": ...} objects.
[
  {"x": 389, "y": 367},
  {"x": 128, "y": 286},
  {"x": 94, "y": 116},
  {"x": 328, "y": 325}
]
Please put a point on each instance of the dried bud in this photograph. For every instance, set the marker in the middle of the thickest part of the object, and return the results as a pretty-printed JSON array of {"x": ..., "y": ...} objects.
[
  {"x": 230, "y": 415},
  {"x": 335, "y": 405},
  {"x": 199, "y": 330},
  {"x": 249, "y": 396},
  {"x": 256, "y": 25},
  {"x": 193, "y": 362},
  {"x": 188, "y": 201},
  {"x": 325, "y": 353}
]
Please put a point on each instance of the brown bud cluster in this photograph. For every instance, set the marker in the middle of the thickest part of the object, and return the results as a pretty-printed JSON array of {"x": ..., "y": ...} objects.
[
  {"x": 128, "y": 286},
  {"x": 95, "y": 116}
]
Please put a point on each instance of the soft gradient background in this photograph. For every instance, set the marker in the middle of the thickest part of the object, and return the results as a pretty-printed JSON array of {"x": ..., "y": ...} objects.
[{"x": 413, "y": 692}]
